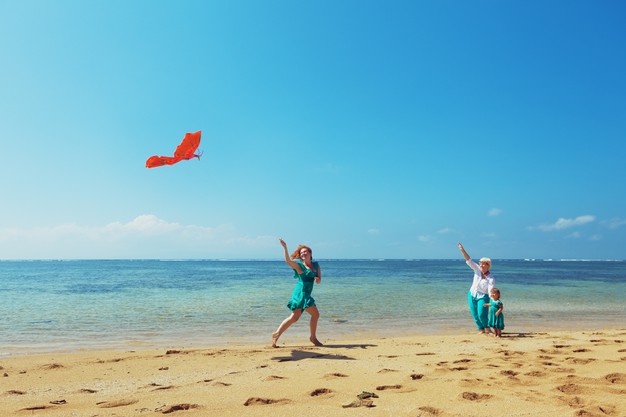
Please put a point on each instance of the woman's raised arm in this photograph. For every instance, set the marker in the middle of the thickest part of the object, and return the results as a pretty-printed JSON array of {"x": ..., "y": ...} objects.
[{"x": 288, "y": 260}]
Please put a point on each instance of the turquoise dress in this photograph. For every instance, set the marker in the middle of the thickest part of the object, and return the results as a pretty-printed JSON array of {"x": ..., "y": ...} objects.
[
  {"x": 301, "y": 297},
  {"x": 493, "y": 321}
]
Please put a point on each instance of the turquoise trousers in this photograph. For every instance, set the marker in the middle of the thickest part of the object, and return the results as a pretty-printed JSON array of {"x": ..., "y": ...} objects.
[{"x": 479, "y": 313}]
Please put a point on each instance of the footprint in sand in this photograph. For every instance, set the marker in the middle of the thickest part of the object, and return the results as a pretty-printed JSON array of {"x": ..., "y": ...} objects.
[
  {"x": 273, "y": 378},
  {"x": 163, "y": 388},
  {"x": 599, "y": 410},
  {"x": 616, "y": 378},
  {"x": 321, "y": 391},
  {"x": 53, "y": 366},
  {"x": 387, "y": 370},
  {"x": 88, "y": 391},
  {"x": 264, "y": 401},
  {"x": 16, "y": 392},
  {"x": 386, "y": 387},
  {"x": 509, "y": 353},
  {"x": 335, "y": 375},
  {"x": 37, "y": 407},
  {"x": 571, "y": 389},
  {"x": 427, "y": 411},
  {"x": 472, "y": 396},
  {"x": 179, "y": 407},
  {"x": 118, "y": 403},
  {"x": 415, "y": 377},
  {"x": 579, "y": 361},
  {"x": 472, "y": 382},
  {"x": 457, "y": 368},
  {"x": 574, "y": 402}
]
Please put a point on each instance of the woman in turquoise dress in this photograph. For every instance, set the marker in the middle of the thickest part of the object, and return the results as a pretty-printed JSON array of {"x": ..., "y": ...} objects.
[
  {"x": 308, "y": 273},
  {"x": 495, "y": 317}
]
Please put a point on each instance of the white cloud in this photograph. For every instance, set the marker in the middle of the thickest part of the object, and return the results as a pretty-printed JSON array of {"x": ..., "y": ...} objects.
[
  {"x": 616, "y": 222},
  {"x": 575, "y": 235},
  {"x": 595, "y": 237},
  {"x": 143, "y": 224},
  {"x": 373, "y": 231},
  {"x": 563, "y": 223},
  {"x": 445, "y": 230},
  {"x": 146, "y": 236},
  {"x": 425, "y": 238},
  {"x": 494, "y": 212}
]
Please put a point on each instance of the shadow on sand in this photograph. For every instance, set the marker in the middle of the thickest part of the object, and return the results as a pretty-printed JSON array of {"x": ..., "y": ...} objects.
[{"x": 308, "y": 353}]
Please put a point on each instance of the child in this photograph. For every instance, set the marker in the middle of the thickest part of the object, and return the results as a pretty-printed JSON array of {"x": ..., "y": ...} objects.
[{"x": 495, "y": 319}]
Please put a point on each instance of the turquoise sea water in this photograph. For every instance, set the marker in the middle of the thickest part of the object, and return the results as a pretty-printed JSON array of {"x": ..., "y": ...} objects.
[{"x": 68, "y": 305}]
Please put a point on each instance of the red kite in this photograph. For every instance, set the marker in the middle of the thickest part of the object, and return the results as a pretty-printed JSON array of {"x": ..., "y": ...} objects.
[{"x": 185, "y": 150}]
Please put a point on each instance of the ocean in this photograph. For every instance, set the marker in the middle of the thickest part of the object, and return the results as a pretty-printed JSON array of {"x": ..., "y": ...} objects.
[{"x": 51, "y": 305}]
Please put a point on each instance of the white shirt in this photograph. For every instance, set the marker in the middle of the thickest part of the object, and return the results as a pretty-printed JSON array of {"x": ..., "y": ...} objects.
[{"x": 481, "y": 286}]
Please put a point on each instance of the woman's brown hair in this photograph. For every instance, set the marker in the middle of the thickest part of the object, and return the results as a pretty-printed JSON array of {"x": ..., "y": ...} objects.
[{"x": 296, "y": 253}]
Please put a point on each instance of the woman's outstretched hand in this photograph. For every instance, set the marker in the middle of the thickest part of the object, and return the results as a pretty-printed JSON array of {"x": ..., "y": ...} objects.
[{"x": 465, "y": 255}]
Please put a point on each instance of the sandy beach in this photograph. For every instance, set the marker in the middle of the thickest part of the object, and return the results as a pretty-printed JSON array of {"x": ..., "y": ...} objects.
[{"x": 561, "y": 373}]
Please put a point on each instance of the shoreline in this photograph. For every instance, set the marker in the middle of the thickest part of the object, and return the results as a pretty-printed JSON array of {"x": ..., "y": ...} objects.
[
  {"x": 540, "y": 373},
  {"x": 297, "y": 335}
]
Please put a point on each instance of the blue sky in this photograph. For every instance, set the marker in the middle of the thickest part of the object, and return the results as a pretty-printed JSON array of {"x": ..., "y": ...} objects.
[{"x": 366, "y": 129}]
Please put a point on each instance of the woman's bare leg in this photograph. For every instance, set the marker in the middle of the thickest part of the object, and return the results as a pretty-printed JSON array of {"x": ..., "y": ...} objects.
[
  {"x": 295, "y": 315},
  {"x": 315, "y": 315}
]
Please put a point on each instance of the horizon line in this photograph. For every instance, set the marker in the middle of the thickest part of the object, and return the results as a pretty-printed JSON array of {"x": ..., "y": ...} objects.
[{"x": 318, "y": 259}]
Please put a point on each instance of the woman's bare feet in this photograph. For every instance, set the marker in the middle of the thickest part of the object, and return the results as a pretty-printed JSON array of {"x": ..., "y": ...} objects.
[
  {"x": 315, "y": 341},
  {"x": 275, "y": 337}
]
